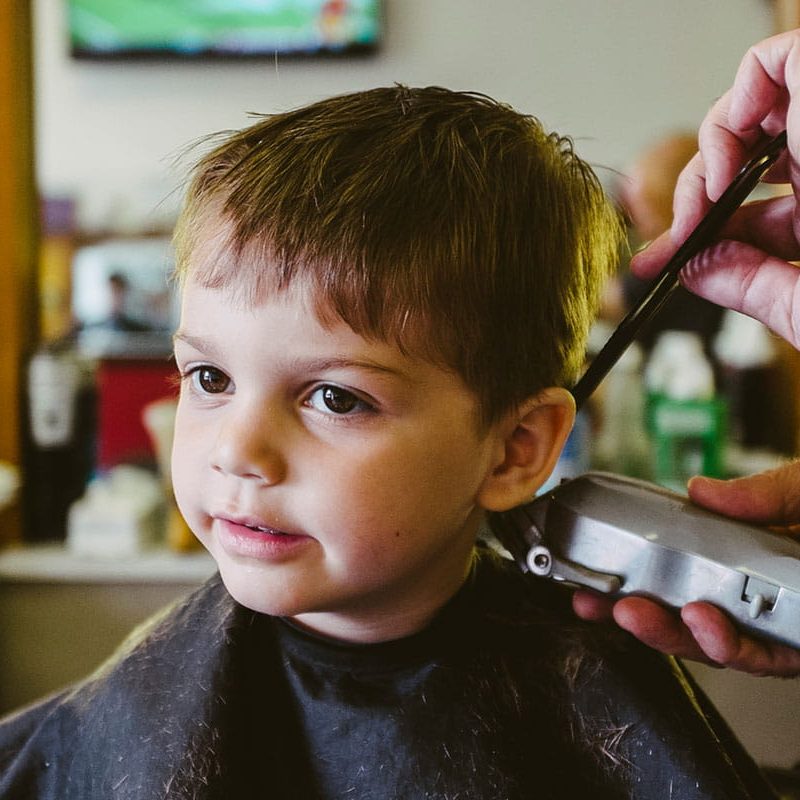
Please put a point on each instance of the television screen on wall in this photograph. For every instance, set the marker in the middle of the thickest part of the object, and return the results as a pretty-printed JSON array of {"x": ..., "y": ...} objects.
[{"x": 222, "y": 28}]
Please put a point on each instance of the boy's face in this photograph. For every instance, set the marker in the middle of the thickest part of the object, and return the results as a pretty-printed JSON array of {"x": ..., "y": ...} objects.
[{"x": 333, "y": 478}]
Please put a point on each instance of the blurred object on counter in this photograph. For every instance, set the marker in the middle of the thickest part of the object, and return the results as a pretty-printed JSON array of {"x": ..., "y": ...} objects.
[
  {"x": 54, "y": 377},
  {"x": 686, "y": 420},
  {"x": 55, "y": 267},
  {"x": 59, "y": 452},
  {"x": 120, "y": 515},
  {"x": 158, "y": 418},
  {"x": 678, "y": 369},
  {"x": 741, "y": 461},
  {"x": 9, "y": 484},
  {"x": 622, "y": 444},
  {"x": 750, "y": 379},
  {"x": 159, "y": 421},
  {"x": 125, "y": 386}
]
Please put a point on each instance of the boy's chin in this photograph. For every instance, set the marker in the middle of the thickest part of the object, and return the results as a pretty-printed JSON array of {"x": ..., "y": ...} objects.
[{"x": 262, "y": 596}]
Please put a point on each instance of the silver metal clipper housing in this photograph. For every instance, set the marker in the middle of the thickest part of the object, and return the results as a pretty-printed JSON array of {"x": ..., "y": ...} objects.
[{"x": 622, "y": 536}]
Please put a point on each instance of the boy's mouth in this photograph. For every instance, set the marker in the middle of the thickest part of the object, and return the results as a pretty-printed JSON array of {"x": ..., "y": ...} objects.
[
  {"x": 266, "y": 530},
  {"x": 251, "y": 538},
  {"x": 253, "y": 524}
]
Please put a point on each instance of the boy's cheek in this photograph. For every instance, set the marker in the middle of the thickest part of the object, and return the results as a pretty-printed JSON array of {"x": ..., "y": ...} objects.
[
  {"x": 177, "y": 468},
  {"x": 186, "y": 481},
  {"x": 186, "y": 447}
]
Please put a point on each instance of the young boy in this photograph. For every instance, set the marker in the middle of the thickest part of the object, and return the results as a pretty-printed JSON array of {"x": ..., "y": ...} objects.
[{"x": 383, "y": 297}]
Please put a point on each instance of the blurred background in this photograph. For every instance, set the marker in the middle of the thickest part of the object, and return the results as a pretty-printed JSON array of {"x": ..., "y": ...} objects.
[{"x": 99, "y": 101}]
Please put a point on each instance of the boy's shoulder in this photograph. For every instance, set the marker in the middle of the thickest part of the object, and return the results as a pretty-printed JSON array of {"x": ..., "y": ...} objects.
[{"x": 144, "y": 704}]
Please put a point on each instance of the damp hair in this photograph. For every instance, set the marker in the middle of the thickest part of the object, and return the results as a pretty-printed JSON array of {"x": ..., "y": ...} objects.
[{"x": 443, "y": 222}]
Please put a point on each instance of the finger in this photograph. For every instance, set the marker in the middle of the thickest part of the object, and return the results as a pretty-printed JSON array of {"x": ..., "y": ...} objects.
[
  {"x": 762, "y": 102},
  {"x": 725, "y": 645},
  {"x": 740, "y": 276},
  {"x": 649, "y": 262},
  {"x": 768, "y": 498},
  {"x": 743, "y": 278},
  {"x": 694, "y": 194},
  {"x": 757, "y": 105},
  {"x": 780, "y": 171},
  {"x": 690, "y": 201},
  {"x": 657, "y": 627},
  {"x": 765, "y": 95},
  {"x": 592, "y": 606},
  {"x": 793, "y": 121},
  {"x": 723, "y": 147},
  {"x": 715, "y": 634},
  {"x": 768, "y": 225},
  {"x": 760, "y": 79},
  {"x": 651, "y": 623}
]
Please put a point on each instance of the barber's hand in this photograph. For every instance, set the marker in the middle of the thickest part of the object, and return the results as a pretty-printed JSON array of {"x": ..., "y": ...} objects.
[
  {"x": 702, "y": 632},
  {"x": 748, "y": 269}
]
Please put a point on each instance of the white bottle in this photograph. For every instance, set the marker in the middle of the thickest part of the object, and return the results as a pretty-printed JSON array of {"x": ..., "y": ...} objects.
[
  {"x": 678, "y": 368},
  {"x": 685, "y": 419},
  {"x": 622, "y": 444},
  {"x": 751, "y": 382}
]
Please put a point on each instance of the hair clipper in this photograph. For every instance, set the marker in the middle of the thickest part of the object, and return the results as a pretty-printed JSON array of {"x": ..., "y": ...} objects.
[{"x": 622, "y": 536}]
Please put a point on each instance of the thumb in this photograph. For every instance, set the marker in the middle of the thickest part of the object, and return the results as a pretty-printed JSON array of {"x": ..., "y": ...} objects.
[
  {"x": 771, "y": 497},
  {"x": 650, "y": 260}
]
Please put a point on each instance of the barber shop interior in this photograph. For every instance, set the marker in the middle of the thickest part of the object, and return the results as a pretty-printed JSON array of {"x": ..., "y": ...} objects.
[{"x": 214, "y": 501}]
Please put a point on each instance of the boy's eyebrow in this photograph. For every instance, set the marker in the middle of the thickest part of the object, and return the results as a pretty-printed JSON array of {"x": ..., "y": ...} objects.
[
  {"x": 322, "y": 364},
  {"x": 312, "y": 364},
  {"x": 197, "y": 342}
]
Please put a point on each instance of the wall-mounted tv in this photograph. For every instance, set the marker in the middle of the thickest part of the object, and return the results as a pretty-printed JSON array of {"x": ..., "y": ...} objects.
[{"x": 222, "y": 28}]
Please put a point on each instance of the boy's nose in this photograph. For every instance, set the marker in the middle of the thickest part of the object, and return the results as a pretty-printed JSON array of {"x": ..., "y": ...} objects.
[{"x": 246, "y": 448}]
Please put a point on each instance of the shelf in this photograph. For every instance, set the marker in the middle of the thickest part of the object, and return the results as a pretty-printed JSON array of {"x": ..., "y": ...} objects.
[{"x": 52, "y": 563}]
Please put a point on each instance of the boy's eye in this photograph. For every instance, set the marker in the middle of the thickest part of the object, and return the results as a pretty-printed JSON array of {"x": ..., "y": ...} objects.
[
  {"x": 334, "y": 399},
  {"x": 211, "y": 380}
]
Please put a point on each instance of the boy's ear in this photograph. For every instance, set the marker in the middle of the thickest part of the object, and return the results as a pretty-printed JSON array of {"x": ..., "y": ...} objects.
[{"x": 530, "y": 440}]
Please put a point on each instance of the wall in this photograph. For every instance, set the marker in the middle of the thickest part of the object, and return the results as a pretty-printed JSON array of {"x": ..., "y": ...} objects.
[{"x": 612, "y": 74}]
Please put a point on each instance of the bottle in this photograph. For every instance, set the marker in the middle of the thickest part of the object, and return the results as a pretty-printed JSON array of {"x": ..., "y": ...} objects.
[
  {"x": 59, "y": 454},
  {"x": 750, "y": 380},
  {"x": 623, "y": 444},
  {"x": 684, "y": 416}
]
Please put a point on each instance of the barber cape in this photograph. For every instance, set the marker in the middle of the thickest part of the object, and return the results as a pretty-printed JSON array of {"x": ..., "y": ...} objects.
[{"x": 210, "y": 700}]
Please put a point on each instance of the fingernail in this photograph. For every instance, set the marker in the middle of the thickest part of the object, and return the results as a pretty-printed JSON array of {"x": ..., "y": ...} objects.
[
  {"x": 705, "y": 479},
  {"x": 636, "y": 257}
]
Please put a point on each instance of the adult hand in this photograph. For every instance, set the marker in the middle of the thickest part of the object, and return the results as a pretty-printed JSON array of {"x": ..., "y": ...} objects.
[
  {"x": 748, "y": 269},
  {"x": 701, "y": 631}
]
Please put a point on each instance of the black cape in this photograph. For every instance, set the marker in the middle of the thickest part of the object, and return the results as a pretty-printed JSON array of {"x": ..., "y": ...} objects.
[{"x": 577, "y": 710}]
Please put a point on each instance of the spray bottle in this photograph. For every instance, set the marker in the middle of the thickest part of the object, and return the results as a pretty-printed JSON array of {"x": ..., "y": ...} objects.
[{"x": 685, "y": 418}]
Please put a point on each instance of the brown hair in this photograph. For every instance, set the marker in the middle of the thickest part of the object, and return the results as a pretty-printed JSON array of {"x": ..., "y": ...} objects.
[{"x": 442, "y": 221}]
